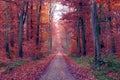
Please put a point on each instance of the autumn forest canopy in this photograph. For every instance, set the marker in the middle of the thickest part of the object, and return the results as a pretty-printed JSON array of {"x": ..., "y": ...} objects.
[{"x": 35, "y": 29}]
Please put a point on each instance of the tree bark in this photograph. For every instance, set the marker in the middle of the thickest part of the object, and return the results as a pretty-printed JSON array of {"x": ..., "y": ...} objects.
[
  {"x": 22, "y": 21},
  {"x": 95, "y": 34},
  {"x": 39, "y": 7},
  {"x": 113, "y": 49},
  {"x": 78, "y": 37},
  {"x": 7, "y": 27},
  {"x": 31, "y": 21},
  {"x": 83, "y": 37}
]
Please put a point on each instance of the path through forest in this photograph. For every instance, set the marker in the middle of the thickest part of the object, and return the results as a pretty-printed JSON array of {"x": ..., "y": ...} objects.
[{"x": 57, "y": 70}]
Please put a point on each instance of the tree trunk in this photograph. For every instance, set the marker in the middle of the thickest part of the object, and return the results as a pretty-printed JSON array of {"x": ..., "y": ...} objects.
[
  {"x": 7, "y": 27},
  {"x": 95, "y": 34},
  {"x": 39, "y": 7},
  {"x": 22, "y": 21},
  {"x": 50, "y": 39},
  {"x": 12, "y": 42},
  {"x": 83, "y": 37},
  {"x": 50, "y": 27},
  {"x": 20, "y": 36},
  {"x": 12, "y": 37},
  {"x": 31, "y": 21},
  {"x": 27, "y": 29},
  {"x": 67, "y": 42},
  {"x": 78, "y": 37},
  {"x": 113, "y": 49}
]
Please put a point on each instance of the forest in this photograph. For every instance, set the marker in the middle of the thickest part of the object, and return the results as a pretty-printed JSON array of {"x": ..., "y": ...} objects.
[{"x": 59, "y": 40}]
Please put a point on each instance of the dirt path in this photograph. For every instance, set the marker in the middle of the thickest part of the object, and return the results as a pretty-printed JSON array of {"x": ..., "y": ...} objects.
[{"x": 57, "y": 70}]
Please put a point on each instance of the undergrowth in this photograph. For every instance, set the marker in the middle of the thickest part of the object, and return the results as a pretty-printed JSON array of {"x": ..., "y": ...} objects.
[
  {"x": 109, "y": 70},
  {"x": 13, "y": 66},
  {"x": 0, "y": 65}
]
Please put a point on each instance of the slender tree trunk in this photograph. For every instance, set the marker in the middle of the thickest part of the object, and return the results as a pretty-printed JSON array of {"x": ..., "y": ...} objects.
[
  {"x": 50, "y": 39},
  {"x": 51, "y": 12},
  {"x": 21, "y": 33},
  {"x": 20, "y": 36},
  {"x": 38, "y": 26},
  {"x": 113, "y": 49},
  {"x": 78, "y": 37},
  {"x": 39, "y": 7},
  {"x": 83, "y": 37},
  {"x": 31, "y": 20},
  {"x": 26, "y": 21},
  {"x": 67, "y": 42},
  {"x": 81, "y": 23},
  {"x": 50, "y": 26},
  {"x": 12, "y": 37},
  {"x": 22, "y": 21},
  {"x": 27, "y": 29},
  {"x": 7, "y": 27},
  {"x": 95, "y": 34},
  {"x": 12, "y": 28}
]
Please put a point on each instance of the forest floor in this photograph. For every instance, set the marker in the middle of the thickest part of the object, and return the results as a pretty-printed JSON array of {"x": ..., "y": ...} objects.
[
  {"x": 54, "y": 67},
  {"x": 24, "y": 69},
  {"x": 109, "y": 70}
]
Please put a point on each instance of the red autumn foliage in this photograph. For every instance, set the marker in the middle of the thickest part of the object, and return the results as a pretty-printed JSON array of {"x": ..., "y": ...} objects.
[{"x": 33, "y": 38}]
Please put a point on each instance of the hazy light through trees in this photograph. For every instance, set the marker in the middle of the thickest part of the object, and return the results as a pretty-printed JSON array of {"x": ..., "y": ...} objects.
[{"x": 60, "y": 10}]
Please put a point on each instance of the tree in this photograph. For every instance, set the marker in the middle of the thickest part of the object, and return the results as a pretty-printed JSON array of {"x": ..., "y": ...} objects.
[
  {"x": 82, "y": 22},
  {"x": 51, "y": 11},
  {"x": 39, "y": 7},
  {"x": 83, "y": 37},
  {"x": 95, "y": 29},
  {"x": 113, "y": 50},
  {"x": 22, "y": 19},
  {"x": 31, "y": 19},
  {"x": 78, "y": 36},
  {"x": 78, "y": 30},
  {"x": 7, "y": 29}
]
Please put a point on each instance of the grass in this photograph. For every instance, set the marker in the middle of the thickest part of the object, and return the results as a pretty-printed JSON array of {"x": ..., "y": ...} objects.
[
  {"x": 110, "y": 65},
  {"x": 13, "y": 66},
  {"x": 0, "y": 65},
  {"x": 83, "y": 60},
  {"x": 10, "y": 66}
]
